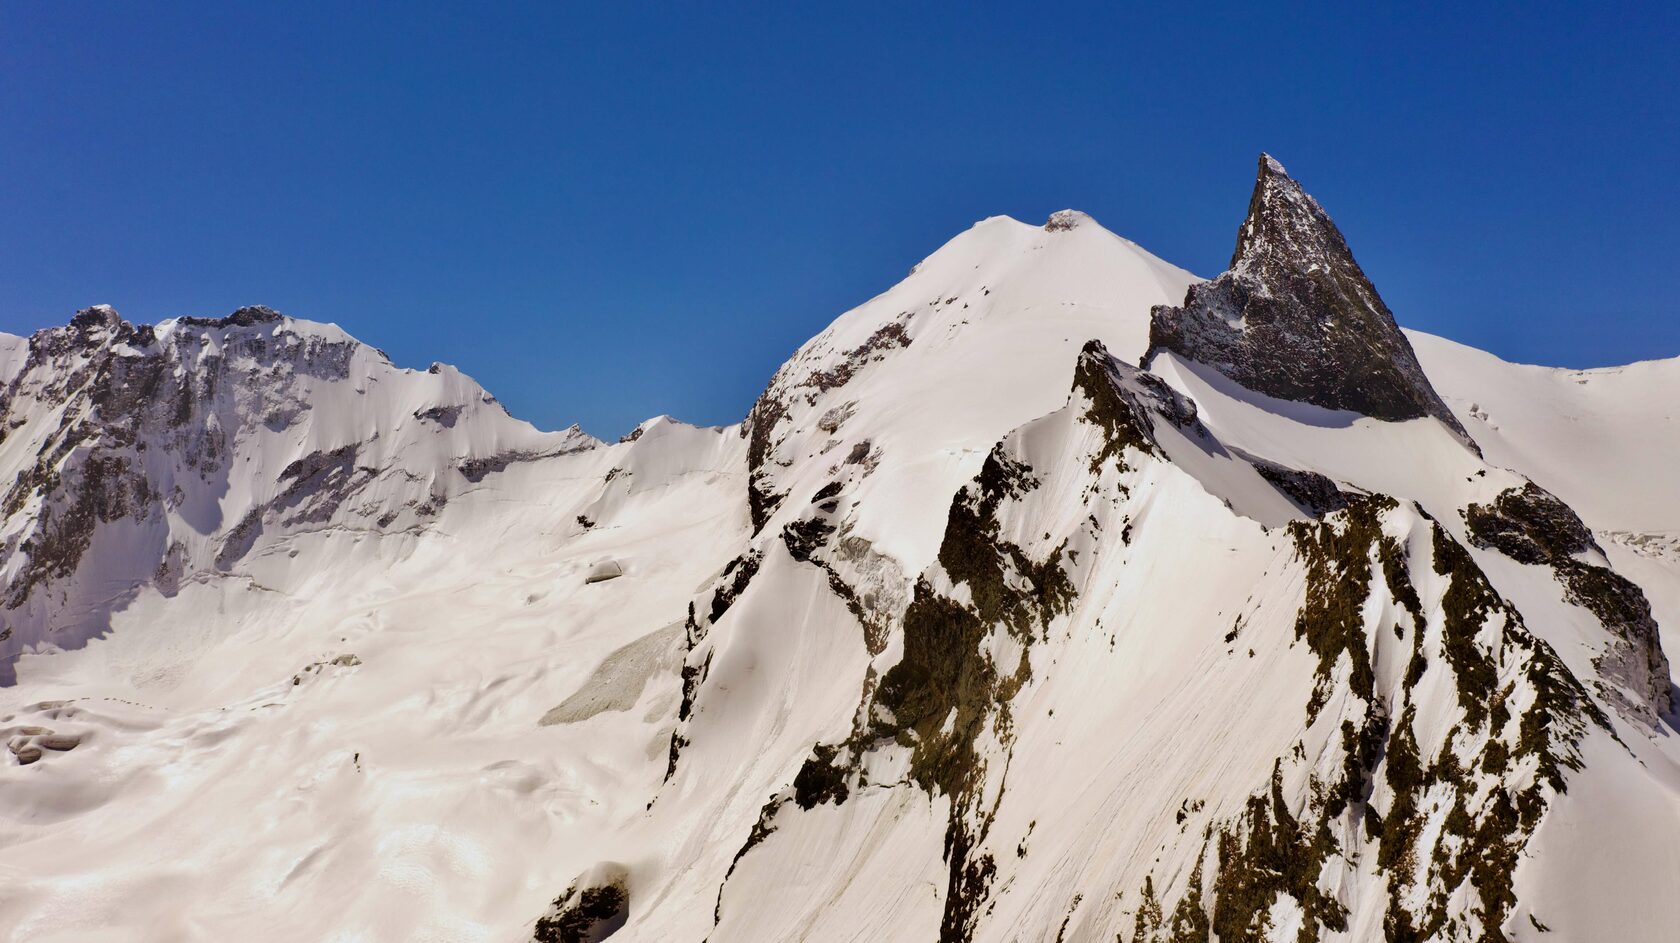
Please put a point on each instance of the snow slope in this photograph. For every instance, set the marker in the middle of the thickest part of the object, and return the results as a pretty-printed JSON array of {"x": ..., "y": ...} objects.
[
  {"x": 340, "y": 739},
  {"x": 972, "y": 630},
  {"x": 1607, "y": 441},
  {"x": 980, "y": 338}
]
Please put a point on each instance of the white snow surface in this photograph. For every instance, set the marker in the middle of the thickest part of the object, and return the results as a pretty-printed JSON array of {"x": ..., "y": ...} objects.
[
  {"x": 1607, "y": 441},
  {"x": 14, "y": 351},
  {"x": 426, "y": 726}
]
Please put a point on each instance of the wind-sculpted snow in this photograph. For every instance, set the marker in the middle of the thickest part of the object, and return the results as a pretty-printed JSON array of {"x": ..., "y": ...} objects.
[{"x": 971, "y": 631}]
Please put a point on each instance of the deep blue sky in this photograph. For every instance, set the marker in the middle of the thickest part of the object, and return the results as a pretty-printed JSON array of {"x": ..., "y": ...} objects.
[{"x": 604, "y": 213}]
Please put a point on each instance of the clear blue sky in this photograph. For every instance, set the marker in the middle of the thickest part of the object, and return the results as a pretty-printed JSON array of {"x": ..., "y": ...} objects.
[{"x": 605, "y": 212}]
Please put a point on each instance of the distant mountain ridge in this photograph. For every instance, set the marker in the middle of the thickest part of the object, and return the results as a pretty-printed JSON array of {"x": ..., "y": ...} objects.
[{"x": 131, "y": 441}]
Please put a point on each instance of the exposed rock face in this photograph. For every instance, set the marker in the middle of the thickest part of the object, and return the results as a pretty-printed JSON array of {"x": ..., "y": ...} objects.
[
  {"x": 795, "y": 388},
  {"x": 593, "y": 908},
  {"x": 1530, "y": 525},
  {"x": 150, "y": 455},
  {"x": 1064, "y": 220},
  {"x": 126, "y": 425},
  {"x": 1295, "y": 318}
]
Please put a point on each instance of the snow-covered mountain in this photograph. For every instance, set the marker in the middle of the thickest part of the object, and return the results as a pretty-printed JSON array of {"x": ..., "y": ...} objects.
[{"x": 1053, "y": 594}]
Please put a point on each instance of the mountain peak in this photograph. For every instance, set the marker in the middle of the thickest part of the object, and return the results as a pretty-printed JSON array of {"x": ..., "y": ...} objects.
[
  {"x": 1294, "y": 317},
  {"x": 96, "y": 316},
  {"x": 1285, "y": 221}
]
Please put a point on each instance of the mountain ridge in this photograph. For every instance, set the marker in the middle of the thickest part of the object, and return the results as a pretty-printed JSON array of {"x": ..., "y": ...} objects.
[{"x": 972, "y": 629}]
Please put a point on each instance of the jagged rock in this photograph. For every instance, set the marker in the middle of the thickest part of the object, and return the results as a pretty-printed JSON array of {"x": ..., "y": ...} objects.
[
  {"x": 247, "y": 316},
  {"x": 593, "y": 908},
  {"x": 1295, "y": 318},
  {"x": 477, "y": 468},
  {"x": 1531, "y": 525},
  {"x": 444, "y": 416}
]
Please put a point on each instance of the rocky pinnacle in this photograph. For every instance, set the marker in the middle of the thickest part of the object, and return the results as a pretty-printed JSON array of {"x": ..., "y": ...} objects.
[{"x": 1295, "y": 318}]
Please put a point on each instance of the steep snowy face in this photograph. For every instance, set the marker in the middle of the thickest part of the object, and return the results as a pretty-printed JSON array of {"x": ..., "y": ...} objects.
[
  {"x": 1298, "y": 709},
  {"x": 142, "y": 458},
  {"x": 14, "y": 351},
  {"x": 1295, "y": 318}
]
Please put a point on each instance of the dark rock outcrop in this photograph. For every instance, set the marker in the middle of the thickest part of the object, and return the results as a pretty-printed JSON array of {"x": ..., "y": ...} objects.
[
  {"x": 1064, "y": 220},
  {"x": 594, "y": 907},
  {"x": 1529, "y": 525},
  {"x": 1295, "y": 318}
]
